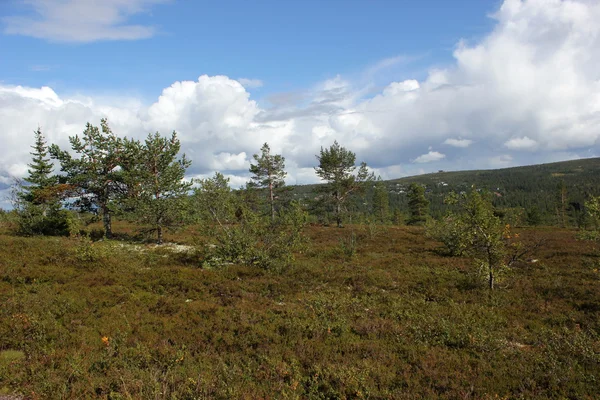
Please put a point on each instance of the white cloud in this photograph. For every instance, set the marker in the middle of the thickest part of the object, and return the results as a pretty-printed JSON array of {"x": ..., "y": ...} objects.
[
  {"x": 400, "y": 88},
  {"x": 523, "y": 143},
  {"x": 461, "y": 143},
  {"x": 431, "y": 156},
  {"x": 228, "y": 162},
  {"x": 81, "y": 20},
  {"x": 250, "y": 83},
  {"x": 530, "y": 84}
]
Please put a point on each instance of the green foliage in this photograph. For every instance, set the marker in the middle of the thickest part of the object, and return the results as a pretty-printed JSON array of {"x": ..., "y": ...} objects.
[
  {"x": 37, "y": 208},
  {"x": 156, "y": 193},
  {"x": 95, "y": 174},
  {"x": 336, "y": 167},
  {"x": 592, "y": 207},
  {"x": 477, "y": 232},
  {"x": 238, "y": 234},
  {"x": 417, "y": 205},
  {"x": 348, "y": 246},
  {"x": 32, "y": 219},
  {"x": 269, "y": 173},
  {"x": 40, "y": 176},
  {"x": 88, "y": 252},
  {"x": 533, "y": 217},
  {"x": 450, "y": 231},
  {"x": 381, "y": 202},
  {"x": 397, "y": 217},
  {"x": 394, "y": 321}
]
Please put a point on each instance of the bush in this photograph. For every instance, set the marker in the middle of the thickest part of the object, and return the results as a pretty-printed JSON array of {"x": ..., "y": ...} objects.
[
  {"x": 240, "y": 234},
  {"x": 32, "y": 220},
  {"x": 449, "y": 231},
  {"x": 254, "y": 240}
]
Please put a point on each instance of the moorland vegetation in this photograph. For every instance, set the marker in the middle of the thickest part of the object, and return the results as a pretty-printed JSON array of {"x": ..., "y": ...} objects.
[{"x": 119, "y": 279}]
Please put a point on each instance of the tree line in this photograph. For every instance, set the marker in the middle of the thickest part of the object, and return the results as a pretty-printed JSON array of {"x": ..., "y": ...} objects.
[
  {"x": 260, "y": 224},
  {"x": 144, "y": 182}
]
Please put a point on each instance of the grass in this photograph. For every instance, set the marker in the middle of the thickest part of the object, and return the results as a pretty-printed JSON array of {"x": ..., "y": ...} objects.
[{"x": 361, "y": 314}]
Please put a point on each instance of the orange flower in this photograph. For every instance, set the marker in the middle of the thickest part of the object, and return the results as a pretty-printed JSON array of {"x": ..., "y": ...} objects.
[{"x": 105, "y": 340}]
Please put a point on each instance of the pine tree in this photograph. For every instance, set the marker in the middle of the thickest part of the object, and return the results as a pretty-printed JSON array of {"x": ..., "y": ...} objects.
[
  {"x": 417, "y": 204},
  {"x": 477, "y": 232},
  {"x": 561, "y": 205},
  {"x": 154, "y": 175},
  {"x": 269, "y": 173},
  {"x": 95, "y": 174},
  {"x": 336, "y": 166},
  {"x": 381, "y": 201}
]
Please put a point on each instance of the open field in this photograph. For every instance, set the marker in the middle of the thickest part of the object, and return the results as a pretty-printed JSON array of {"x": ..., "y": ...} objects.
[{"x": 374, "y": 313}]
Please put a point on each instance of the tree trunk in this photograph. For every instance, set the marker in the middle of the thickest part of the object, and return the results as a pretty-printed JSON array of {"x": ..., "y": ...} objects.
[
  {"x": 491, "y": 279},
  {"x": 272, "y": 202},
  {"x": 106, "y": 218},
  {"x": 159, "y": 231}
]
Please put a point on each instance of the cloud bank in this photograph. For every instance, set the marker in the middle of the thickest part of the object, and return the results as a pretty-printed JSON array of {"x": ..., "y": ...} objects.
[
  {"x": 81, "y": 20},
  {"x": 528, "y": 92}
]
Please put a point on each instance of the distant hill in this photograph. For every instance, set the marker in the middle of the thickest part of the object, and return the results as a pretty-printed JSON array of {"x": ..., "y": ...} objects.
[
  {"x": 576, "y": 171},
  {"x": 534, "y": 186}
]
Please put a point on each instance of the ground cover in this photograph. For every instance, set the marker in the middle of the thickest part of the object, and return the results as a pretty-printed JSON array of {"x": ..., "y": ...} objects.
[{"x": 364, "y": 312}]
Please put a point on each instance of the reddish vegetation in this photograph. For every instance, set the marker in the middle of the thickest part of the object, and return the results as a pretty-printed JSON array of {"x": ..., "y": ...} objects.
[{"x": 365, "y": 312}]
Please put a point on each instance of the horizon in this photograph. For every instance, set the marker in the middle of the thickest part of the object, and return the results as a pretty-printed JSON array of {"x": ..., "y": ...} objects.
[{"x": 410, "y": 88}]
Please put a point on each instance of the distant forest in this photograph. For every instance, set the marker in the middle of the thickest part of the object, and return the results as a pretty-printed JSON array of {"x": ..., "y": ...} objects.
[{"x": 545, "y": 194}]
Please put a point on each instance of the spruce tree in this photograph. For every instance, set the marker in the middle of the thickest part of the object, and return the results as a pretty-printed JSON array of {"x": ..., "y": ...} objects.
[
  {"x": 269, "y": 173},
  {"x": 40, "y": 176},
  {"x": 417, "y": 204},
  {"x": 37, "y": 203}
]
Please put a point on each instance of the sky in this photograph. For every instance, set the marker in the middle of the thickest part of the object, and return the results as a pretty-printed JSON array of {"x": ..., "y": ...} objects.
[{"x": 410, "y": 87}]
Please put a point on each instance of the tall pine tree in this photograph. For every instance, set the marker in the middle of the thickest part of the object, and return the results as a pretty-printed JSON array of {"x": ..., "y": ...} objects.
[
  {"x": 269, "y": 173},
  {"x": 95, "y": 173},
  {"x": 336, "y": 167},
  {"x": 155, "y": 178}
]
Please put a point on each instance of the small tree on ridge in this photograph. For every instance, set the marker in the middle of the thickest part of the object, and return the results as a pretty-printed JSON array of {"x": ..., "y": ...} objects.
[
  {"x": 269, "y": 173},
  {"x": 336, "y": 166}
]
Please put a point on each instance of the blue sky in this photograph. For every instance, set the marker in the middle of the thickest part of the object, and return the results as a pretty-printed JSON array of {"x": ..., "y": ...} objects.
[
  {"x": 286, "y": 44},
  {"x": 410, "y": 86}
]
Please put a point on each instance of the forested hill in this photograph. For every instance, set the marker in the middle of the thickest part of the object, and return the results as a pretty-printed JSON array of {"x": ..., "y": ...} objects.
[
  {"x": 583, "y": 172},
  {"x": 544, "y": 187}
]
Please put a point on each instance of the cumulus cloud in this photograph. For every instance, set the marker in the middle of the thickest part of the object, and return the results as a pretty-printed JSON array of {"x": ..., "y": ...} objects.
[
  {"x": 527, "y": 92},
  {"x": 229, "y": 162},
  {"x": 81, "y": 20},
  {"x": 461, "y": 143},
  {"x": 431, "y": 156}
]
